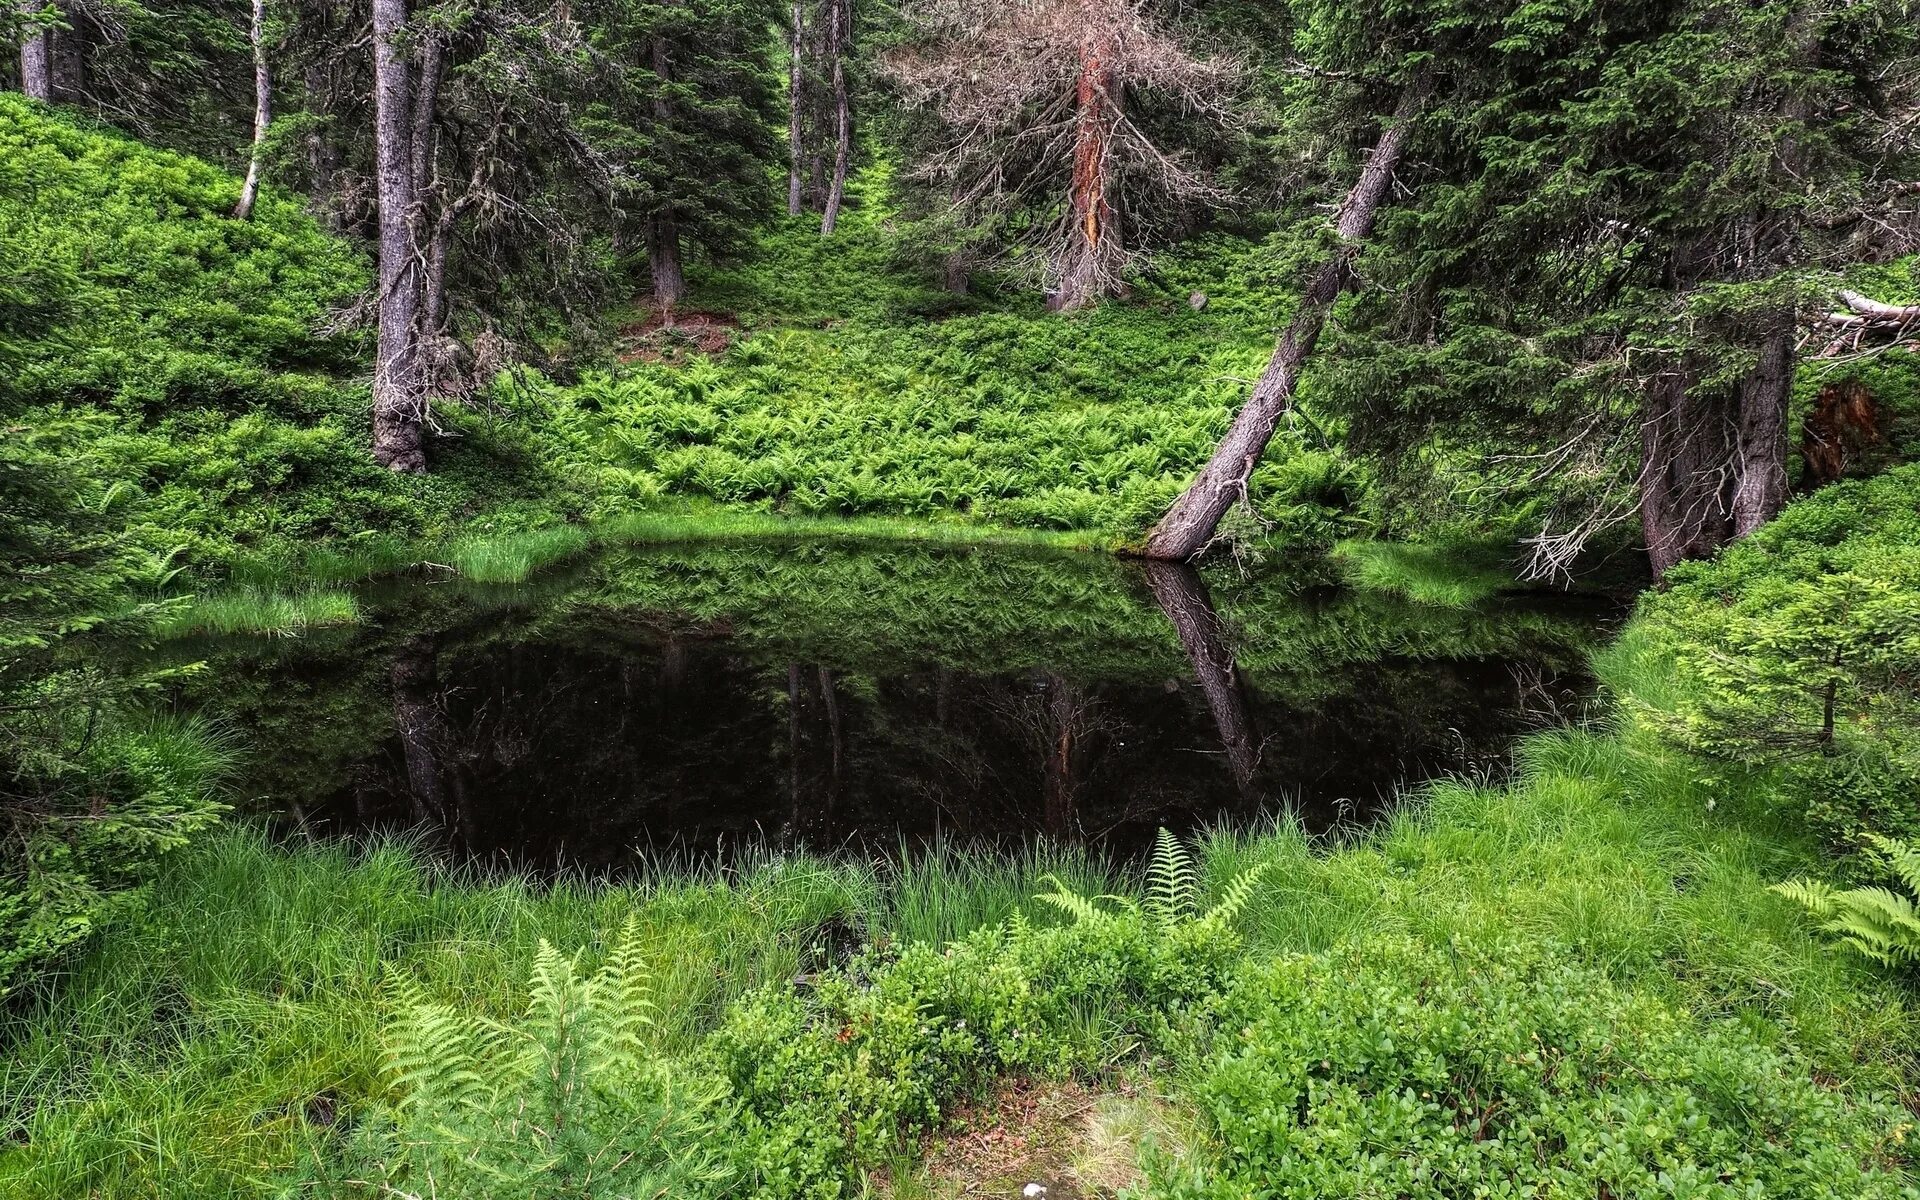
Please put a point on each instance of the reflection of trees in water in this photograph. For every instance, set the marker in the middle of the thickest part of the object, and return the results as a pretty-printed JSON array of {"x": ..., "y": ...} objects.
[
  {"x": 579, "y": 743},
  {"x": 1182, "y": 595}
]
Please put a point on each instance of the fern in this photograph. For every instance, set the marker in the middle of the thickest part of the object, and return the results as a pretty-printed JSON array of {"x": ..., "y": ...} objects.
[
  {"x": 1170, "y": 881},
  {"x": 1234, "y": 898},
  {"x": 564, "y": 1099},
  {"x": 1876, "y": 923},
  {"x": 1172, "y": 895}
]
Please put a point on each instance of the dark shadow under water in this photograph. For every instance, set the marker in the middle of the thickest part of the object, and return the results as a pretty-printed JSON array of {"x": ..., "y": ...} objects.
[{"x": 697, "y": 700}]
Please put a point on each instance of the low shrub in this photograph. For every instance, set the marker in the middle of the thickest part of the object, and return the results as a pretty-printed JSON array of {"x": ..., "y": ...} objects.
[{"x": 1391, "y": 1068}]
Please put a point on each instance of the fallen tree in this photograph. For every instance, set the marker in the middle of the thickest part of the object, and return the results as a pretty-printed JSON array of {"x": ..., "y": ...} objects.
[{"x": 1188, "y": 526}]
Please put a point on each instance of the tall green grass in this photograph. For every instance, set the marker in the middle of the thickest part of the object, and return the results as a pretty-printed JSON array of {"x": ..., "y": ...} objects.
[
  {"x": 250, "y": 610},
  {"x": 513, "y": 557}
]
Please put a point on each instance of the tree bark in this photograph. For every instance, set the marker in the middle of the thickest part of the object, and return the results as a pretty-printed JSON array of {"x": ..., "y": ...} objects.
[
  {"x": 663, "y": 231},
  {"x": 67, "y": 56},
  {"x": 839, "y": 39},
  {"x": 1685, "y": 482},
  {"x": 1760, "y": 438},
  {"x": 796, "y": 99},
  {"x": 262, "y": 112},
  {"x": 1188, "y": 526},
  {"x": 36, "y": 61},
  {"x": 1182, "y": 595},
  {"x": 398, "y": 398}
]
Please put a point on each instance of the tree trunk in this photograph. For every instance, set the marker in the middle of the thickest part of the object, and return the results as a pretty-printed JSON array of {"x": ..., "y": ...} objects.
[
  {"x": 839, "y": 39},
  {"x": 1188, "y": 526},
  {"x": 796, "y": 99},
  {"x": 262, "y": 112},
  {"x": 663, "y": 256},
  {"x": 36, "y": 60},
  {"x": 1760, "y": 438},
  {"x": 1686, "y": 445},
  {"x": 663, "y": 231},
  {"x": 67, "y": 56},
  {"x": 398, "y": 399},
  {"x": 1182, "y": 595},
  {"x": 1086, "y": 274}
]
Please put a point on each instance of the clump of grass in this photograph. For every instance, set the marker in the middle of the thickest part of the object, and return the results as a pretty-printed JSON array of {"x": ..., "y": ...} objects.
[
  {"x": 1443, "y": 575},
  {"x": 252, "y": 610},
  {"x": 514, "y": 557}
]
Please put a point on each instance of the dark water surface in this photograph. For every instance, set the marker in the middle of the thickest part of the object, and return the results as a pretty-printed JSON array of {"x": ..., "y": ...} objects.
[{"x": 700, "y": 698}]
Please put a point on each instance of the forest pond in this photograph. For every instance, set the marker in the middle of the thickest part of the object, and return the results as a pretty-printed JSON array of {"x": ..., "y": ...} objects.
[{"x": 694, "y": 700}]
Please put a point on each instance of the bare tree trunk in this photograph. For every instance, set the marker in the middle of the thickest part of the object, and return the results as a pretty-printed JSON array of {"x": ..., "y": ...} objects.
[
  {"x": 67, "y": 55},
  {"x": 1189, "y": 525},
  {"x": 663, "y": 256},
  {"x": 663, "y": 232},
  {"x": 36, "y": 60},
  {"x": 1760, "y": 437},
  {"x": 1086, "y": 273},
  {"x": 796, "y": 99},
  {"x": 262, "y": 112},
  {"x": 839, "y": 39},
  {"x": 1182, "y": 595},
  {"x": 1684, "y": 477},
  {"x": 398, "y": 399}
]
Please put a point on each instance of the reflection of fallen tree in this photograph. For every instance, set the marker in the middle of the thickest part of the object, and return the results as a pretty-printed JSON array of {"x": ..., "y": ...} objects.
[{"x": 1182, "y": 595}]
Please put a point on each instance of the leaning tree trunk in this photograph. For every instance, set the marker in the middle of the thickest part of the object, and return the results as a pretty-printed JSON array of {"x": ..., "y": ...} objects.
[
  {"x": 1188, "y": 526},
  {"x": 796, "y": 98},
  {"x": 398, "y": 398},
  {"x": 1092, "y": 252},
  {"x": 839, "y": 36},
  {"x": 262, "y": 112},
  {"x": 36, "y": 60}
]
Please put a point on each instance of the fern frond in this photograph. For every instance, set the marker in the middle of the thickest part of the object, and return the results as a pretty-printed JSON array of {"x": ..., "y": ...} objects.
[
  {"x": 1904, "y": 858},
  {"x": 1081, "y": 909},
  {"x": 1235, "y": 897},
  {"x": 622, "y": 996},
  {"x": 1170, "y": 881},
  {"x": 1810, "y": 894}
]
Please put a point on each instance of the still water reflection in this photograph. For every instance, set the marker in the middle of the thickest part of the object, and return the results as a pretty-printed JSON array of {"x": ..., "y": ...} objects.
[{"x": 700, "y": 698}]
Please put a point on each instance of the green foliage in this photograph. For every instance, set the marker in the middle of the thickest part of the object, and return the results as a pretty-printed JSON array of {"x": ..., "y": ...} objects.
[
  {"x": 1796, "y": 651},
  {"x": 565, "y": 1101},
  {"x": 1875, "y": 922},
  {"x": 92, "y": 801},
  {"x": 252, "y": 611},
  {"x": 1399, "y": 1069},
  {"x": 834, "y": 1079}
]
